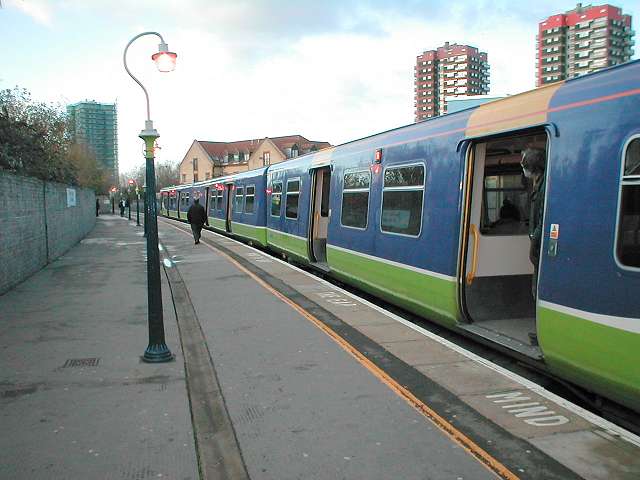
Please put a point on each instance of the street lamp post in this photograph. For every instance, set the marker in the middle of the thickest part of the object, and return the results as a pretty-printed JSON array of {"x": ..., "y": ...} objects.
[
  {"x": 146, "y": 213},
  {"x": 157, "y": 350}
]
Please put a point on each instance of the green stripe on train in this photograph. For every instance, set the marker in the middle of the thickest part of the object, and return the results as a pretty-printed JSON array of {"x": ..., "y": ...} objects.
[
  {"x": 259, "y": 234},
  {"x": 600, "y": 357},
  {"x": 218, "y": 224},
  {"x": 296, "y": 246},
  {"x": 173, "y": 213},
  {"x": 426, "y": 295},
  {"x": 183, "y": 215}
]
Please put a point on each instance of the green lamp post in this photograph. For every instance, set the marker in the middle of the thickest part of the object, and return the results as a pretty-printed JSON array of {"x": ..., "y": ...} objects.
[{"x": 157, "y": 350}]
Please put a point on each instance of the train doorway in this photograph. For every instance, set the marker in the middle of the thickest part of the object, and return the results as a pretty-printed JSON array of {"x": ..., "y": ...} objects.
[
  {"x": 321, "y": 181},
  {"x": 228, "y": 207},
  {"x": 497, "y": 274}
]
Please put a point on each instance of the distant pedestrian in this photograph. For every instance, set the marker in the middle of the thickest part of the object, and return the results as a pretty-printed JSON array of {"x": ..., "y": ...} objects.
[
  {"x": 97, "y": 207},
  {"x": 122, "y": 204},
  {"x": 197, "y": 217}
]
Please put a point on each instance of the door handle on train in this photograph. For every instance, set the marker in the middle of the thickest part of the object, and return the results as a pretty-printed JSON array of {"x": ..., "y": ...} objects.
[{"x": 474, "y": 259}]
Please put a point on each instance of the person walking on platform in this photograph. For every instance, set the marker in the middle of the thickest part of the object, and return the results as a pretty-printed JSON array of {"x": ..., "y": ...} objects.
[
  {"x": 197, "y": 217},
  {"x": 122, "y": 207},
  {"x": 97, "y": 206}
]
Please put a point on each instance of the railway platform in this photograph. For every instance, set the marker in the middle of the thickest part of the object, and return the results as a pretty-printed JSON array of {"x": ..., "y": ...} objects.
[{"x": 278, "y": 375}]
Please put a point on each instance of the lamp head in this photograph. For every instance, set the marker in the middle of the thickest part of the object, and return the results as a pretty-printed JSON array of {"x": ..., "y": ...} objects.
[{"x": 165, "y": 60}]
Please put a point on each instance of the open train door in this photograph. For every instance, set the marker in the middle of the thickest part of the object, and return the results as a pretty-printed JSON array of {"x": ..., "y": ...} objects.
[
  {"x": 228, "y": 208},
  {"x": 207, "y": 201},
  {"x": 498, "y": 290},
  {"x": 319, "y": 218}
]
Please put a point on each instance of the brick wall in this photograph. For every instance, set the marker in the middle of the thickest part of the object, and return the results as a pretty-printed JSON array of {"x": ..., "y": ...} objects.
[{"x": 37, "y": 226}]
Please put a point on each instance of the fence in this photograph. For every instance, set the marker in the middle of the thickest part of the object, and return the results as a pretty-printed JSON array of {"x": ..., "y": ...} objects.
[{"x": 39, "y": 221}]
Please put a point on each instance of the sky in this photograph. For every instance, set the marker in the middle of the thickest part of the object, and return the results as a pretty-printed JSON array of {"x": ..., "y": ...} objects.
[{"x": 331, "y": 70}]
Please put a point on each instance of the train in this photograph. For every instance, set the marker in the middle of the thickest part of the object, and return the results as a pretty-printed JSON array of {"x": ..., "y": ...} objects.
[{"x": 413, "y": 216}]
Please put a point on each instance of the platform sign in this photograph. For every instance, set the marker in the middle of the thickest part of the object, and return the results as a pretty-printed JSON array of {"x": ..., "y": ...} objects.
[{"x": 71, "y": 197}]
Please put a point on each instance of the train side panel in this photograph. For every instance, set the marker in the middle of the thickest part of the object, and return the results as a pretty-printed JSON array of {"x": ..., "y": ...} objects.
[
  {"x": 589, "y": 311},
  {"x": 248, "y": 220},
  {"x": 216, "y": 206},
  {"x": 416, "y": 271},
  {"x": 285, "y": 234}
]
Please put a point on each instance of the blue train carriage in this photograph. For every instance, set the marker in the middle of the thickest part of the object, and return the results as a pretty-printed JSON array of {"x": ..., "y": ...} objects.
[
  {"x": 186, "y": 194},
  {"x": 169, "y": 202},
  {"x": 425, "y": 228},
  {"x": 247, "y": 213},
  {"x": 297, "y": 212},
  {"x": 163, "y": 198},
  {"x": 218, "y": 213},
  {"x": 589, "y": 304}
]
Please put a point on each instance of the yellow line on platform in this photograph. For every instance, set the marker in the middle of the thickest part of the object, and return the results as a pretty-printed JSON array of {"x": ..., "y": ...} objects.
[{"x": 452, "y": 432}]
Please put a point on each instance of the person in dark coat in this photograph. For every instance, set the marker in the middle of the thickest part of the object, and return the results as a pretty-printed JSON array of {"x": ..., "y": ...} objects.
[
  {"x": 97, "y": 207},
  {"x": 196, "y": 216},
  {"x": 509, "y": 211},
  {"x": 533, "y": 165},
  {"x": 122, "y": 207}
]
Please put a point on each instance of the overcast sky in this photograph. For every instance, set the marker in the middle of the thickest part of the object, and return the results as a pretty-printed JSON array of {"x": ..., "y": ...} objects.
[{"x": 331, "y": 70}]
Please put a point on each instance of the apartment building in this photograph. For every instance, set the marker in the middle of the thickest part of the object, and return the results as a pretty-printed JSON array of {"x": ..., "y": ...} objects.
[
  {"x": 449, "y": 71},
  {"x": 95, "y": 125},
  {"x": 581, "y": 41}
]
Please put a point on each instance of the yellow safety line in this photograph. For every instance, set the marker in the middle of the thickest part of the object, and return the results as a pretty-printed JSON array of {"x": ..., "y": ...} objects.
[{"x": 452, "y": 432}]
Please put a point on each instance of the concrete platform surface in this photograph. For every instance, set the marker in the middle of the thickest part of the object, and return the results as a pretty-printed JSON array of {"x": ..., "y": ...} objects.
[{"x": 300, "y": 402}]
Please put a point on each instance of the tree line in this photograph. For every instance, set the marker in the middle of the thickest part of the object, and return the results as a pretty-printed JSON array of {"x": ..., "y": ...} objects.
[{"x": 36, "y": 141}]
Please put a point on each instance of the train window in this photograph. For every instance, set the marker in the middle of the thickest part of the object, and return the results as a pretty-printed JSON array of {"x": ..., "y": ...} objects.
[
  {"x": 221, "y": 198},
  {"x": 326, "y": 184},
  {"x": 628, "y": 245},
  {"x": 276, "y": 194},
  {"x": 239, "y": 197},
  {"x": 505, "y": 202},
  {"x": 249, "y": 199},
  {"x": 213, "y": 203},
  {"x": 355, "y": 199},
  {"x": 402, "y": 200},
  {"x": 293, "y": 195}
]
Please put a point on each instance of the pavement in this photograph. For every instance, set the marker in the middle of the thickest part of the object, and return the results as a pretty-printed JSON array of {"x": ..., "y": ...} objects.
[
  {"x": 277, "y": 375},
  {"x": 75, "y": 399}
]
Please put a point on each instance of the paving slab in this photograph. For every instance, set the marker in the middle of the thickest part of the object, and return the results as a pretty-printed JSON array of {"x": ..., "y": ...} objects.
[
  {"x": 525, "y": 413},
  {"x": 614, "y": 458},
  {"x": 467, "y": 377},
  {"x": 422, "y": 352}
]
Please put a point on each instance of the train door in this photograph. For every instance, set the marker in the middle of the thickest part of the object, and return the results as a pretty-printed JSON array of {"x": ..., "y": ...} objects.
[
  {"x": 320, "y": 193},
  {"x": 228, "y": 208},
  {"x": 207, "y": 190},
  {"x": 497, "y": 274}
]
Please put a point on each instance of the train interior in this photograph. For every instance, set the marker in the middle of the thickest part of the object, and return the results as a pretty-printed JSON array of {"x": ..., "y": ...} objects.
[
  {"x": 228, "y": 206},
  {"x": 320, "y": 217},
  {"x": 498, "y": 295}
]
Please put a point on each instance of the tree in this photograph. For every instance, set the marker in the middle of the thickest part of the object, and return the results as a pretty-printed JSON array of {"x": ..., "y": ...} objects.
[
  {"x": 34, "y": 138},
  {"x": 89, "y": 174},
  {"x": 167, "y": 174}
]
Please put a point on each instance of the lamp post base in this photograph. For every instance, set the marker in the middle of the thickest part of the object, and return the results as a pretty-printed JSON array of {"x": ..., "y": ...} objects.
[{"x": 157, "y": 353}]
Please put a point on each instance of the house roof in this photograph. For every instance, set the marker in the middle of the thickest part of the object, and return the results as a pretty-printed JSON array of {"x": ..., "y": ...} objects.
[{"x": 219, "y": 149}]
